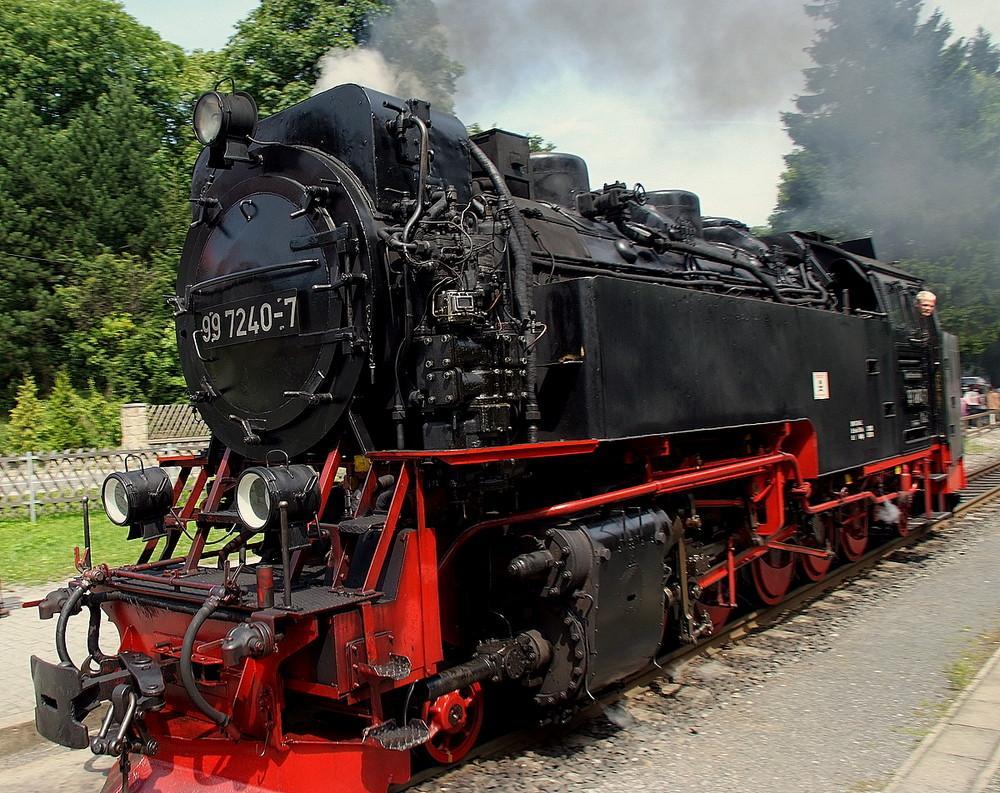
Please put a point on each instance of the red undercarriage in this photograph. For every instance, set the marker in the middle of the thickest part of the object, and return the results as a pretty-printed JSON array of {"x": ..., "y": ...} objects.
[{"x": 262, "y": 748}]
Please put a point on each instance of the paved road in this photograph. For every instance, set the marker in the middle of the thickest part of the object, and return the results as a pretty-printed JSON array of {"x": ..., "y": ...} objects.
[
  {"x": 45, "y": 768},
  {"x": 22, "y": 635},
  {"x": 28, "y": 764}
]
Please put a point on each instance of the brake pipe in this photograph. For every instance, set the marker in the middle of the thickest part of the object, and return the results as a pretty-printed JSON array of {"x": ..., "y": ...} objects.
[
  {"x": 709, "y": 475},
  {"x": 519, "y": 242},
  {"x": 803, "y": 489},
  {"x": 702, "y": 477},
  {"x": 70, "y": 607},
  {"x": 187, "y": 651},
  {"x": 94, "y": 631}
]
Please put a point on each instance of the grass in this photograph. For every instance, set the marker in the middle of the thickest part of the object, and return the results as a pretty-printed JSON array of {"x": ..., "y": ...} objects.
[
  {"x": 928, "y": 711},
  {"x": 870, "y": 785},
  {"x": 962, "y": 670},
  {"x": 37, "y": 553},
  {"x": 960, "y": 674}
]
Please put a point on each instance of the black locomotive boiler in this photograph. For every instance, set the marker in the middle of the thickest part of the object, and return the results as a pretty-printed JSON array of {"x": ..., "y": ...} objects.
[{"x": 485, "y": 441}]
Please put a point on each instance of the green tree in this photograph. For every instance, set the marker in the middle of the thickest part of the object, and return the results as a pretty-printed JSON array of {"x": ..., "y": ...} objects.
[
  {"x": 536, "y": 143},
  {"x": 65, "y": 417},
  {"x": 276, "y": 49},
  {"x": 539, "y": 144},
  {"x": 968, "y": 293},
  {"x": 31, "y": 263},
  {"x": 201, "y": 72},
  {"x": 410, "y": 38},
  {"x": 983, "y": 57},
  {"x": 66, "y": 420},
  {"x": 897, "y": 136},
  {"x": 93, "y": 125},
  {"x": 122, "y": 335},
  {"x": 65, "y": 54},
  {"x": 123, "y": 179},
  {"x": 102, "y": 418},
  {"x": 883, "y": 131},
  {"x": 26, "y": 430}
]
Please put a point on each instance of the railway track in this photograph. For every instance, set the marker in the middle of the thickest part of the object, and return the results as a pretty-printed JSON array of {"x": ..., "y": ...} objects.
[{"x": 983, "y": 485}]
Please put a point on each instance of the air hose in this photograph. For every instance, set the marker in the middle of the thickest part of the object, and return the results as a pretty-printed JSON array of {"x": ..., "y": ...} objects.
[
  {"x": 187, "y": 650},
  {"x": 70, "y": 607}
]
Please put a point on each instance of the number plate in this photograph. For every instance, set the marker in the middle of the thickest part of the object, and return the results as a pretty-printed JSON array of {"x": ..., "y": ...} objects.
[{"x": 262, "y": 317}]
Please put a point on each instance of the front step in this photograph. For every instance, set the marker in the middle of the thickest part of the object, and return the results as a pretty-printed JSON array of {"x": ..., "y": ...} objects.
[
  {"x": 398, "y": 667},
  {"x": 399, "y": 739}
]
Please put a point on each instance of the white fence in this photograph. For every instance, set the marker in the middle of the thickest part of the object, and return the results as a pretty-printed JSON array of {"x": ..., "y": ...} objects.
[
  {"x": 37, "y": 483},
  {"x": 34, "y": 484}
]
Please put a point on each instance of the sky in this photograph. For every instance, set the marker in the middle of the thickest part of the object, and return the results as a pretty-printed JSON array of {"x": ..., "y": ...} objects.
[{"x": 713, "y": 128}]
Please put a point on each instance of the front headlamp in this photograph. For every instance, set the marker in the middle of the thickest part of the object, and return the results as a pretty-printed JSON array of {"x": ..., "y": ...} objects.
[
  {"x": 225, "y": 122},
  {"x": 209, "y": 118},
  {"x": 138, "y": 499},
  {"x": 261, "y": 489}
]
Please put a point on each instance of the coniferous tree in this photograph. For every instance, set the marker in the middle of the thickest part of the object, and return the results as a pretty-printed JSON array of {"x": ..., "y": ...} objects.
[
  {"x": 120, "y": 178},
  {"x": 882, "y": 131},
  {"x": 25, "y": 433},
  {"x": 982, "y": 55},
  {"x": 102, "y": 418},
  {"x": 93, "y": 135},
  {"x": 897, "y": 136},
  {"x": 65, "y": 416},
  {"x": 31, "y": 263}
]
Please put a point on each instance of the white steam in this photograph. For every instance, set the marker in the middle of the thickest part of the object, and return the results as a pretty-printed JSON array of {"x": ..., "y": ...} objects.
[{"x": 367, "y": 67}]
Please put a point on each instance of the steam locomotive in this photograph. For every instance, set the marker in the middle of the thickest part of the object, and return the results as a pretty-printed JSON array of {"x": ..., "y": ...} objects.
[{"x": 485, "y": 442}]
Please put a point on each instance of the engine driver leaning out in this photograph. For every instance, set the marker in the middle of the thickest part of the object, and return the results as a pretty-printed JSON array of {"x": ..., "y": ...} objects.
[{"x": 926, "y": 303}]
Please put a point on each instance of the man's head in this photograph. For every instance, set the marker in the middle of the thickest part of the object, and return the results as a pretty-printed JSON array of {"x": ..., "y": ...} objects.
[{"x": 926, "y": 302}]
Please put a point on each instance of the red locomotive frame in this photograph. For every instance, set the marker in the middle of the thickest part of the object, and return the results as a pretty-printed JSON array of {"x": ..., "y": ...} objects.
[{"x": 256, "y": 750}]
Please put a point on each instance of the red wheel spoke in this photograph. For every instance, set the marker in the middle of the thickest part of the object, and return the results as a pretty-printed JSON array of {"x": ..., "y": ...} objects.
[
  {"x": 772, "y": 575},
  {"x": 817, "y": 536},
  {"x": 713, "y": 605},
  {"x": 815, "y": 568},
  {"x": 852, "y": 531}
]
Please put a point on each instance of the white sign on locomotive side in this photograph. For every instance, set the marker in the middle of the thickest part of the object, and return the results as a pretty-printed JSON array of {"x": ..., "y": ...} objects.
[
  {"x": 821, "y": 385},
  {"x": 861, "y": 431}
]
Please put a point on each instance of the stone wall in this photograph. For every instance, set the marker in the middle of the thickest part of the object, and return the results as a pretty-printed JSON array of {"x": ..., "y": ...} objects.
[{"x": 135, "y": 426}]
